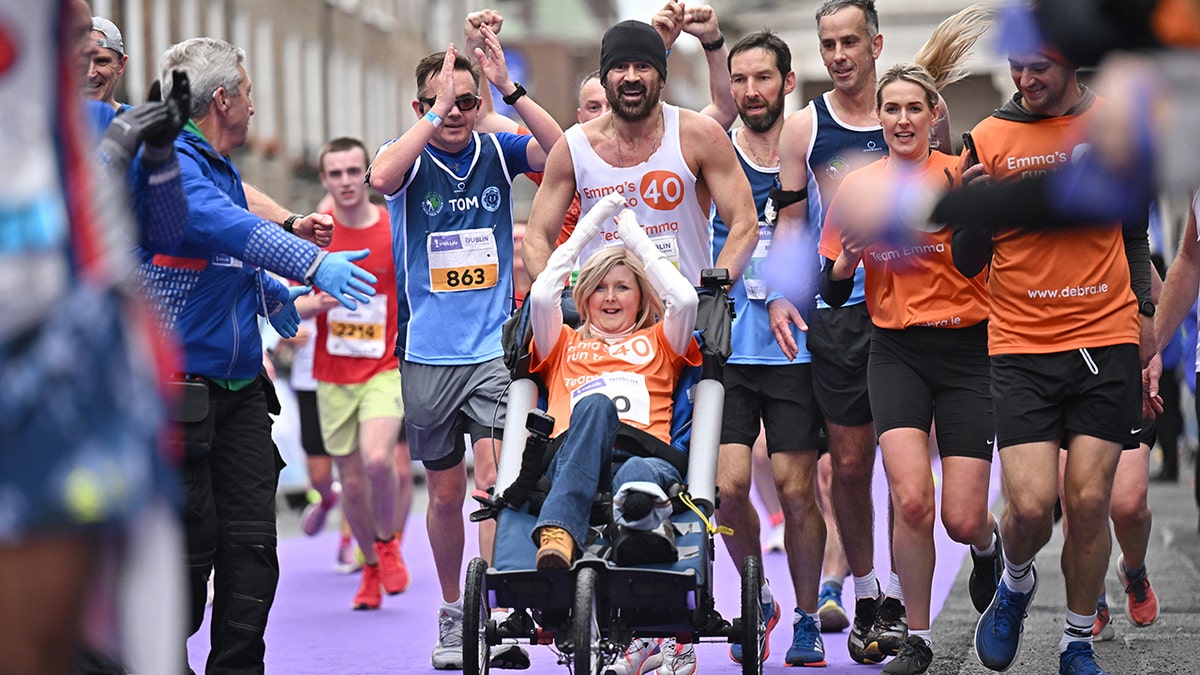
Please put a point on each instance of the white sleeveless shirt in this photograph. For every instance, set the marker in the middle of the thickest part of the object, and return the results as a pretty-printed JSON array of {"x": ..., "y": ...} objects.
[{"x": 661, "y": 191}]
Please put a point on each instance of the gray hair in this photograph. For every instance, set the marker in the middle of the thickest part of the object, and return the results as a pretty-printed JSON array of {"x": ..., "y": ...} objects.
[{"x": 209, "y": 63}]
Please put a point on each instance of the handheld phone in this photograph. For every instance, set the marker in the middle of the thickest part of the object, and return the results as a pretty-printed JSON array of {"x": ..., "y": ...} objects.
[{"x": 969, "y": 144}]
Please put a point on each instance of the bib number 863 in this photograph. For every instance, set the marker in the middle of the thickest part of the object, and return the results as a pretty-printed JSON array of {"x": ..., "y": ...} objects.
[{"x": 473, "y": 276}]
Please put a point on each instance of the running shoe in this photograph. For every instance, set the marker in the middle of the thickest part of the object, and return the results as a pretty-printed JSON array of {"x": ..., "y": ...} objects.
[
  {"x": 511, "y": 626},
  {"x": 830, "y": 610},
  {"x": 1079, "y": 659},
  {"x": 890, "y": 629},
  {"x": 677, "y": 659},
  {"x": 914, "y": 658},
  {"x": 643, "y": 655},
  {"x": 447, "y": 653},
  {"x": 985, "y": 575},
  {"x": 312, "y": 519},
  {"x": 860, "y": 638},
  {"x": 369, "y": 594},
  {"x": 1000, "y": 628},
  {"x": 1141, "y": 603},
  {"x": 771, "y": 614},
  {"x": 392, "y": 570},
  {"x": 775, "y": 541},
  {"x": 1102, "y": 629},
  {"x": 808, "y": 649},
  {"x": 349, "y": 557}
]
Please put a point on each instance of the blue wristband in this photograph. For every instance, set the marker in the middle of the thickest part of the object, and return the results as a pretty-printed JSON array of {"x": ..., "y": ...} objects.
[{"x": 433, "y": 118}]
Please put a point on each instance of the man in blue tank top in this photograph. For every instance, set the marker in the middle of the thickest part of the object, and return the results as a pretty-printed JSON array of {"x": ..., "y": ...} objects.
[
  {"x": 837, "y": 132},
  {"x": 449, "y": 195}
]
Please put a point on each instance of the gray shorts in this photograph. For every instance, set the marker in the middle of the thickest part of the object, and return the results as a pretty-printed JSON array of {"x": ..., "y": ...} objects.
[{"x": 443, "y": 402}]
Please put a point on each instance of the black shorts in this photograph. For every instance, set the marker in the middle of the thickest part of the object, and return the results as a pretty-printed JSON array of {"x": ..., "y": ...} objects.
[
  {"x": 781, "y": 397},
  {"x": 1044, "y": 397},
  {"x": 310, "y": 424},
  {"x": 920, "y": 375},
  {"x": 839, "y": 339}
]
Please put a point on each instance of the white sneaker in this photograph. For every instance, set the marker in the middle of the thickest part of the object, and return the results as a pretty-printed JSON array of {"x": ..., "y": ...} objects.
[
  {"x": 643, "y": 656},
  {"x": 447, "y": 653},
  {"x": 775, "y": 541},
  {"x": 677, "y": 659}
]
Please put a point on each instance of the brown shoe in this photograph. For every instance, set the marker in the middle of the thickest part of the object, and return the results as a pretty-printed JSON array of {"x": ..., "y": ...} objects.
[{"x": 557, "y": 548}]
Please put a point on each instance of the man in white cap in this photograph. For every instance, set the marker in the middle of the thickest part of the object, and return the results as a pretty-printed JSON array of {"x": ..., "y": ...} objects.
[{"x": 108, "y": 64}]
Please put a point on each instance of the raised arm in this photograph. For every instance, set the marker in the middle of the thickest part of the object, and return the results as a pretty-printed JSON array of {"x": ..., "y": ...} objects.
[
  {"x": 545, "y": 308},
  {"x": 550, "y": 205},
  {"x": 395, "y": 159},
  {"x": 679, "y": 297},
  {"x": 488, "y": 121},
  {"x": 546, "y": 131},
  {"x": 701, "y": 21}
]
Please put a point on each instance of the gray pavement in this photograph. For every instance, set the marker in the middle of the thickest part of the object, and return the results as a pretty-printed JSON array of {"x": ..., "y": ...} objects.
[{"x": 1167, "y": 647}]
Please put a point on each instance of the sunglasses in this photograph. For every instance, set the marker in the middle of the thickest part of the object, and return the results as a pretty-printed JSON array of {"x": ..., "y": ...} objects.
[{"x": 465, "y": 102}]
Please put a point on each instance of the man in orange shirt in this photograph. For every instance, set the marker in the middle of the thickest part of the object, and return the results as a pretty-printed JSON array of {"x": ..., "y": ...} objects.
[{"x": 1064, "y": 337}]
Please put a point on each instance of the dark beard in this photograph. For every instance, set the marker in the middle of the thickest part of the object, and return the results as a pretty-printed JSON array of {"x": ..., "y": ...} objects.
[
  {"x": 763, "y": 124},
  {"x": 625, "y": 111}
]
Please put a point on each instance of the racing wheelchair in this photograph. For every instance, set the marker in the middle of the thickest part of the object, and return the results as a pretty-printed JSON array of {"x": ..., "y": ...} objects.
[{"x": 590, "y": 613}]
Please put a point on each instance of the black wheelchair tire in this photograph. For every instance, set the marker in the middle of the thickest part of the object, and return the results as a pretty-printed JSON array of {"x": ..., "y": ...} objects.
[
  {"x": 477, "y": 653},
  {"x": 754, "y": 627}
]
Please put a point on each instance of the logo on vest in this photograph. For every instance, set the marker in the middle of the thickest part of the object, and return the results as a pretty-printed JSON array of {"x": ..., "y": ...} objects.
[
  {"x": 432, "y": 204},
  {"x": 491, "y": 198}
]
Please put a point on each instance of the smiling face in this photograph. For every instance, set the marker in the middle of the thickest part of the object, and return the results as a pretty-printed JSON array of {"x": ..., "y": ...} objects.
[
  {"x": 633, "y": 89},
  {"x": 342, "y": 176},
  {"x": 847, "y": 49},
  {"x": 758, "y": 88},
  {"x": 907, "y": 119},
  {"x": 105, "y": 69},
  {"x": 613, "y": 306},
  {"x": 1047, "y": 87}
]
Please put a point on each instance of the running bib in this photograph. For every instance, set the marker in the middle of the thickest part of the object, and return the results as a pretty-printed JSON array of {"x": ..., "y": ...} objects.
[
  {"x": 626, "y": 390},
  {"x": 358, "y": 333},
  {"x": 756, "y": 288},
  {"x": 466, "y": 260}
]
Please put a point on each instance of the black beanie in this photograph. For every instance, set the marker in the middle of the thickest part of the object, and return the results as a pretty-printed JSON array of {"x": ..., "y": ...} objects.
[{"x": 632, "y": 42}]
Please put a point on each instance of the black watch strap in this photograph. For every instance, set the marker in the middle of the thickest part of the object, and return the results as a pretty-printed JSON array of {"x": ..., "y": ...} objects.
[
  {"x": 1146, "y": 308},
  {"x": 516, "y": 95},
  {"x": 715, "y": 44},
  {"x": 289, "y": 225}
]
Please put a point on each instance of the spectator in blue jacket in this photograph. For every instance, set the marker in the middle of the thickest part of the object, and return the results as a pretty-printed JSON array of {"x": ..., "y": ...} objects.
[{"x": 211, "y": 289}]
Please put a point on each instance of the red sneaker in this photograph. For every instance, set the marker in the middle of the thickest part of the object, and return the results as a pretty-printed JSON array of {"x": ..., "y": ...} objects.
[
  {"x": 1141, "y": 604},
  {"x": 392, "y": 570},
  {"x": 369, "y": 595}
]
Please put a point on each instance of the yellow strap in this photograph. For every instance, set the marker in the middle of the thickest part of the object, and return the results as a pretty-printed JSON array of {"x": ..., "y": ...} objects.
[{"x": 708, "y": 524}]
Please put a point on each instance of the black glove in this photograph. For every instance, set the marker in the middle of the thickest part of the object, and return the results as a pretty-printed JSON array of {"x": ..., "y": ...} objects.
[{"x": 178, "y": 108}]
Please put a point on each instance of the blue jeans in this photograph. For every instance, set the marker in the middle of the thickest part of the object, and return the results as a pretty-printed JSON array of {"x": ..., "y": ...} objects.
[{"x": 582, "y": 466}]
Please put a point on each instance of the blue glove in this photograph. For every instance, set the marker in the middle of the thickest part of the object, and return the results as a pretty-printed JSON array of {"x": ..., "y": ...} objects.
[
  {"x": 286, "y": 321},
  {"x": 341, "y": 278}
]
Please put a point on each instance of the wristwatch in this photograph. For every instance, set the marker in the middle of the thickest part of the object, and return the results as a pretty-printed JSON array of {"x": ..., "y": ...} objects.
[
  {"x": 289, "y": 225},
  {"x": 1146, "y": 308},
  {"x": 715, "y": 44},
  {"x": 516, "y": 95}
]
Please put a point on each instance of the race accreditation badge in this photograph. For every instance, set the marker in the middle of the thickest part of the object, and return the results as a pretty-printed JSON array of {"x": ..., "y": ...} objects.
[
  {"x": 358, "y": 333},
  {"x": 756, "y": 288},
  {"x": 465, "y": 260},
  {"x": 627, "y": 391}
]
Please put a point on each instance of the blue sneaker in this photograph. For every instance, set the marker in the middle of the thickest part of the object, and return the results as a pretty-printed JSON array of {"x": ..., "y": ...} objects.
[
  {"x": 830, "y": 609},
  {"x": 1078, "y": 659},
  {"x": 771, "y": 615},
  {"x": 998, "y": 633},
  {"x": 808, "y": 649}
]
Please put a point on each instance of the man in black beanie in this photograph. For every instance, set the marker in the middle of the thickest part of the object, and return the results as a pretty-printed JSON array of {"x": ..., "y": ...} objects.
[{"x": 670, "y": 164}]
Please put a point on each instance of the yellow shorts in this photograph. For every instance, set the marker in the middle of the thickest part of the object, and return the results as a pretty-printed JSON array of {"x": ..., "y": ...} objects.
[{"x": 343, "y": 407}]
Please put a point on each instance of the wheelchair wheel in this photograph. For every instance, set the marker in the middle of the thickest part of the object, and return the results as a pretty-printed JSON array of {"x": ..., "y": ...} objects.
[
  {"x": 585, "y": 628},
  {"x": 476, "y": 614},
  {"x": 754, "y": 627}
]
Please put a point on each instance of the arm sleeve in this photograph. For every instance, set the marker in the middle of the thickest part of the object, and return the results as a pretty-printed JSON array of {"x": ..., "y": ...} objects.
[
  {"x": 1137, "y": 252},
  {"x": 679, "y": 297},
  {"x": 971, "y": 248},
  {"x": 998, "y": 206},
  {"x": 835, "y": 293},
  {"x": 159, "y": 202}
]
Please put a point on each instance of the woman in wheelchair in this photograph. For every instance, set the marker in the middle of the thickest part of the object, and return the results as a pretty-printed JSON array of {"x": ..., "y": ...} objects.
[{"x": 618, "y": 368}]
